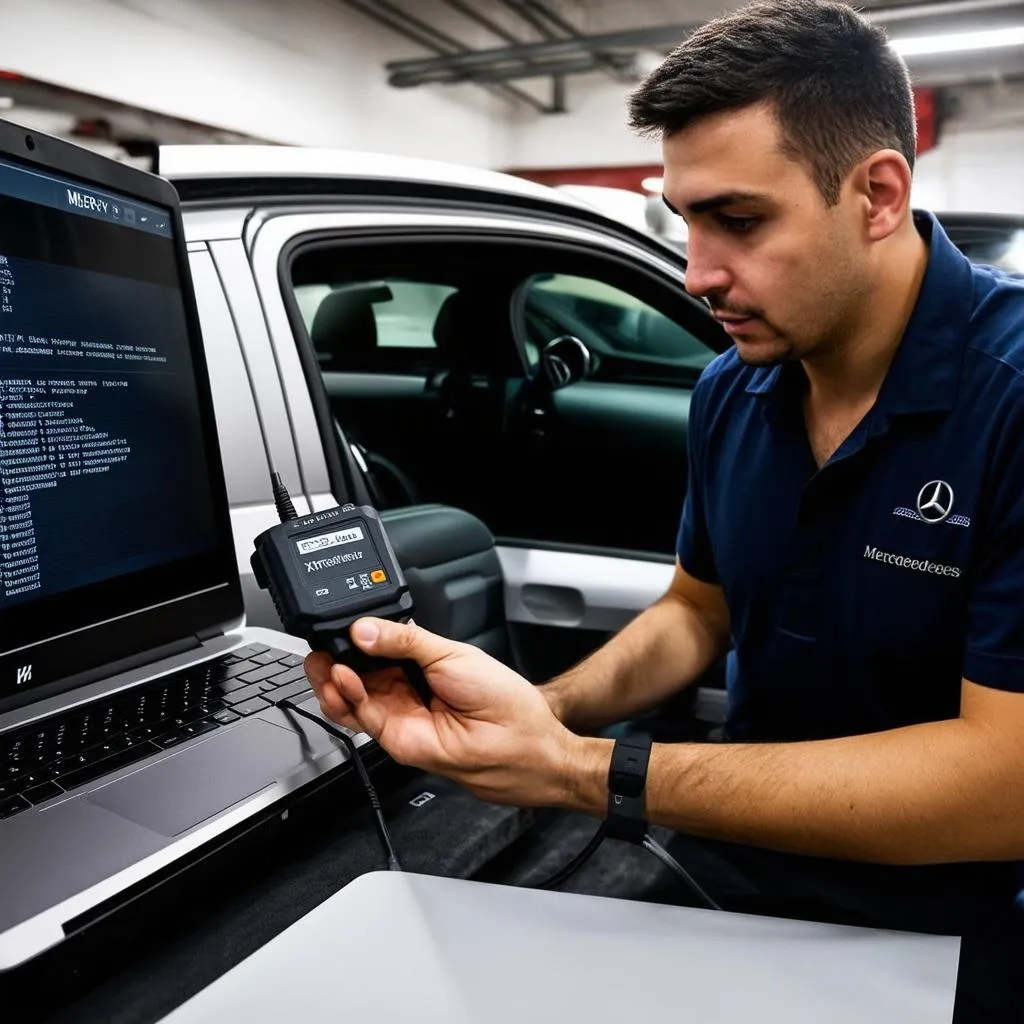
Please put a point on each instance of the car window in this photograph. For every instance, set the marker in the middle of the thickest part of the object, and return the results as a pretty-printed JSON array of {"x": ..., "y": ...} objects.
[
  {"x": 407, "y": 319},
  {"x": 309, "y": 297},
  {"x": 365, "y": 326},
  {"x": 609, "y": 321}
]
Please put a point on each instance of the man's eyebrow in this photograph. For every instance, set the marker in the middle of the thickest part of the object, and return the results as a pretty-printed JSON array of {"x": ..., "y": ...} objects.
[{"x": 713, "y": 203}]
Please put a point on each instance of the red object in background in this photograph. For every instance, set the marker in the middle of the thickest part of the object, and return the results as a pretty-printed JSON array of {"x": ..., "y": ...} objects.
[
  {"x": 926, "y": 111},
  {"x": 630, "y": 177},
  {"x": 608, "y": 177}
]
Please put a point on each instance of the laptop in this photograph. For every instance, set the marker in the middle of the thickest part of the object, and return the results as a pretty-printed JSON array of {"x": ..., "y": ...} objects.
[{"x": 138, "y": 716}]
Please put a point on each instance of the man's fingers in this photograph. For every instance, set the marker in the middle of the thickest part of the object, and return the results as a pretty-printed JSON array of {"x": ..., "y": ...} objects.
[
  {"x": 318, "y": 667},
  {"x": 364, "y": 708},
  {"x": 332, "y": 703},
  {"x": 399, "y": 640}
]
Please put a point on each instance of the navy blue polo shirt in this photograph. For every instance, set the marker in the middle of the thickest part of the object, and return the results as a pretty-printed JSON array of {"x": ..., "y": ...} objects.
[{"x": 862, "y": 592}]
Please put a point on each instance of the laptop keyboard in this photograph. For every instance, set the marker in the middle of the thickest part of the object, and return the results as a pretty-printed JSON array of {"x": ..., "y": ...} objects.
[{"x": 43, "y": 760}]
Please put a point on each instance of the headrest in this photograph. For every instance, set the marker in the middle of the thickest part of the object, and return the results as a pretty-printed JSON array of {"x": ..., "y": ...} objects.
[
  {"x": 344, "y": 331},
  {"x": 460, "y": 330}
]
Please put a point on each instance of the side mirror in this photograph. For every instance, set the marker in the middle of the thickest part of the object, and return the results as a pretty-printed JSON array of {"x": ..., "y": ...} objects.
[{"x": 565, "y": 360}]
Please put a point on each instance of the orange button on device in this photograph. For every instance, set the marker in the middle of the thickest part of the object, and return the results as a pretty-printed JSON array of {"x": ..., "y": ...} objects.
[{"x": 378, "y": 576}]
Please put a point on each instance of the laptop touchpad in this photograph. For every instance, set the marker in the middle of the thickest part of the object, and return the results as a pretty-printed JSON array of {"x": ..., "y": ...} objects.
[{"x": 202, "y": 780}]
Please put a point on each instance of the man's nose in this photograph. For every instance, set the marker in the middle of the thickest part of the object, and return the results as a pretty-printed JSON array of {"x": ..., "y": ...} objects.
[{"x": 706, "y": 273}]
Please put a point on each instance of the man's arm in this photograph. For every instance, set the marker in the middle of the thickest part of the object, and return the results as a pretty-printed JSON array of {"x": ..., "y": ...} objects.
[
  {"x": 938, "y": 792},
  {"x": 660, "y": 652}
]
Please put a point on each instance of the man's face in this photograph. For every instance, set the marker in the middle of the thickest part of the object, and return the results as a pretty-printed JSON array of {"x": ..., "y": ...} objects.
[{"x": 783, "y": 272}]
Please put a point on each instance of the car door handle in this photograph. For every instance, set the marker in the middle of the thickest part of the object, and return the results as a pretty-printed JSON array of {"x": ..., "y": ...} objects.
[
  {"x": 579, "y": 590},
  {"x": 554, "y": 605}
]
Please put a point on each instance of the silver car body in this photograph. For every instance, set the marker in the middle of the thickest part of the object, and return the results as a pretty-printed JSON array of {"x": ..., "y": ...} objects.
[{"x": 235, "y": 249}]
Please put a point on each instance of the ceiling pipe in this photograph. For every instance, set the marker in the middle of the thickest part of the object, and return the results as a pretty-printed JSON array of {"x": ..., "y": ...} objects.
[
  {"x": 530, "y": 71},
  {"x": 667, "y": 35},
  {"x": 483, "y": 21},
  {"x": 386, "y": 14},
  {"x": 654, "y": 36},
  {"x": 613, "y": 69},
  {"x": 523, "y": 12},
  {"x": 446, "y": 76}
]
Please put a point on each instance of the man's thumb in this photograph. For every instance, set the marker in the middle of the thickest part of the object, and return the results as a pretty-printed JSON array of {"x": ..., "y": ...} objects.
[{"x": 385, "y": 639}]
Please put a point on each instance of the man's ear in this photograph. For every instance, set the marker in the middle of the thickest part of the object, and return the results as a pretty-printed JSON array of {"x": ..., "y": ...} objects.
[{"x": 882, "y": 184}]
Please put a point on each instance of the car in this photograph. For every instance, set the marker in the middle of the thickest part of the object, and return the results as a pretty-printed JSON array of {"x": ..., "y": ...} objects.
[
  {"x": 644, "y": 210},
  {"x": 432, "y": 335},
  {"x": 995, "y": 239}
]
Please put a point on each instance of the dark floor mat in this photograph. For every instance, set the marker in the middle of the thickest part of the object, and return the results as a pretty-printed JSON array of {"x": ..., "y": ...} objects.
[{"x": 615, "y": 869}]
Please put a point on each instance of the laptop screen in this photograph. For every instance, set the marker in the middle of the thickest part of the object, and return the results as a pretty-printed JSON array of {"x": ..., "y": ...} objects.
[{"x": 106, "y": 504}]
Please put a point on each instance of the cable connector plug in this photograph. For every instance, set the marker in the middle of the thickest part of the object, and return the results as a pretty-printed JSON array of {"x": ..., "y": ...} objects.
[{"x": 282, "y": 499}]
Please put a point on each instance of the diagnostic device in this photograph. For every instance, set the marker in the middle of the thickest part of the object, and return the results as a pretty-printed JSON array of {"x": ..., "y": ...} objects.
[{"x": 325, "y": 570}]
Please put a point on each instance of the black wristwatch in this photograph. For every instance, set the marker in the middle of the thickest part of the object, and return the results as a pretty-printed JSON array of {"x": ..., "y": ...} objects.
[{"x": 627, "y": 779}]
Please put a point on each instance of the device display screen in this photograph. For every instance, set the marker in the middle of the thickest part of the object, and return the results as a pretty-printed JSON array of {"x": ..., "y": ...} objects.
[{"x": 338, "y": 563}]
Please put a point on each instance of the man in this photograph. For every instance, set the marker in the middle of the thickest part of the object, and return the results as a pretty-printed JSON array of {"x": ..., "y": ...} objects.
[{"x": 854, "y": 525}]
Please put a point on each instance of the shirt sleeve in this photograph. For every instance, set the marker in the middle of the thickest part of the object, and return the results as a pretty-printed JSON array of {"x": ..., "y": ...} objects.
[
  {"x": 994, "y": 650},
  {"x": 693, "y": 542}
]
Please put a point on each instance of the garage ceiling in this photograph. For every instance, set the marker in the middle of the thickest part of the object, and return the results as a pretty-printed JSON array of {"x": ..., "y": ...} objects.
[{"x": 515, "y": 47}]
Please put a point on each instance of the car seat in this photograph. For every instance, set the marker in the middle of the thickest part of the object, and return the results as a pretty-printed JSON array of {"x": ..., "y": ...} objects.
[
  {"x": 471, "y": 389},
  {"x": 344, "y": 330},
  {"x": 449, "y": 560},
  {"x": 452, "y": 568}
]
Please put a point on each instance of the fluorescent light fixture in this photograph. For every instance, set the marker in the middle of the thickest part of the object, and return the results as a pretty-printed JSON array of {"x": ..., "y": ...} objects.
[
  {"x": 653, "y": 184},
  {"x": 959, "y": 42}
]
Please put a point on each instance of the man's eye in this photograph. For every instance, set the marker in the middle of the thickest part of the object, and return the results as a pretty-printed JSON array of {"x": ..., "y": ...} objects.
[{"x": 737, "y": 225}]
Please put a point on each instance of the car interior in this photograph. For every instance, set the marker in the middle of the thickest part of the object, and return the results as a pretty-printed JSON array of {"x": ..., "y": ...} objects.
[
  {"x": 491, "y": 402},
  {"x": 439, "y": 377}
]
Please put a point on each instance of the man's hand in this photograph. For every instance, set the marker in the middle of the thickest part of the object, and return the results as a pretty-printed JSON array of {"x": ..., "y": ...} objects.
[{"x": 487, "y": 728}]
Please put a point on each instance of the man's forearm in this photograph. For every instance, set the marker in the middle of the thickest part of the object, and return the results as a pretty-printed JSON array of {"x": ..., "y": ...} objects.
[
  {"x": 660, "y": 652},
  {"x": 925, "y": 794}
]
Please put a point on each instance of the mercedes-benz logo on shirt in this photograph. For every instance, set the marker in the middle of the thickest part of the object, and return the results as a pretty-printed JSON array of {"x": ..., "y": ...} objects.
[{"x": 935, "y": 501}]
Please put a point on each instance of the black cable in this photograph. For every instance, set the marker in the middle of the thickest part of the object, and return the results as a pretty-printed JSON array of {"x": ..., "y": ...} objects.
[
  {"x": 574, "y": 865},
  {"x": 648, "y": 843},
  {"x": 666, "y": 858},
  {"x": 282, "y": 499},
  {"x": 557, "y": 878},
  {"x": 364, "y": 775}
]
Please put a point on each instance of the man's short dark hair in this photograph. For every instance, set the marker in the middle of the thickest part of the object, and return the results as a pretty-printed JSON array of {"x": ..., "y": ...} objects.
[{"x": 839, "y": 90}]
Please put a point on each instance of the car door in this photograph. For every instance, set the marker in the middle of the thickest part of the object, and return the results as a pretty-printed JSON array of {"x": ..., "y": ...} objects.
[
  {"x": 600, "y": 432},
  {"x": 572, "y": 500}
]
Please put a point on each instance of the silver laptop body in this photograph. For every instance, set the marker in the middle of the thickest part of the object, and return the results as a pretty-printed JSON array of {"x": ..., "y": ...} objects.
[{"x": 138, "y": 717}]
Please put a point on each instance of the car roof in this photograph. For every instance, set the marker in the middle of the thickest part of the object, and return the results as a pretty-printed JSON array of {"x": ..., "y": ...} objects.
[
  {"x": 184, "y": 163},
  {"x": 226, "y": 173}
]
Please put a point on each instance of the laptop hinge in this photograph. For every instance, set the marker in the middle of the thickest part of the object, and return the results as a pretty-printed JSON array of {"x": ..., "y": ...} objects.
[{"x": 59, "y": 686}]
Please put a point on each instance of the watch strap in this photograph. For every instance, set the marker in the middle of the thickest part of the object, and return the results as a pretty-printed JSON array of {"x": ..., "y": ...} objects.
[{"x": 626, "y": 817}]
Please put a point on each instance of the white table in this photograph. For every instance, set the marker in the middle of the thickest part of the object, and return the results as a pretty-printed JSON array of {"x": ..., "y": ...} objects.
[{"x": 396, "y": 948}]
